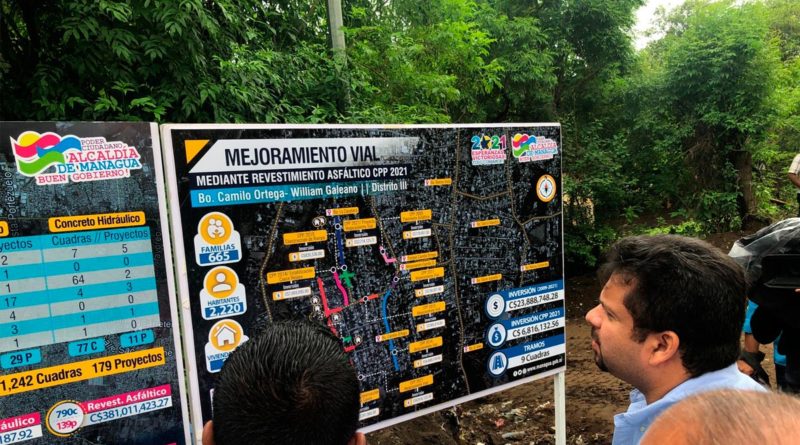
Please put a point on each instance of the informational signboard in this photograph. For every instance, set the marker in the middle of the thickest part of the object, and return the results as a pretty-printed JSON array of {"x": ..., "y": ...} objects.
[
  {"x": 433, "y": 252},
  {"x": 89, "y": 346}
]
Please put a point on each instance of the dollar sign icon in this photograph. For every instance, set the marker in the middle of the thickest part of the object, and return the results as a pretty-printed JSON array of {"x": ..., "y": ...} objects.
[
  {"x": 495, "y": 305},
  {"x": 496, "y": 337}
]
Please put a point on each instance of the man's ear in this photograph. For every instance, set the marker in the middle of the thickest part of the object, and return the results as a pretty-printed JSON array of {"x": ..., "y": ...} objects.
[
  {"x": 357, "y": 439},
  {"x": 208, "y": 433},
  {"x": 663, "y": 347}
]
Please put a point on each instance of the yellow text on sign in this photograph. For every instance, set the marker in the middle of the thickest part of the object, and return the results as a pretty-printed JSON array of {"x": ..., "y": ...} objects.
[
  {"x": 97, "y": 221},
  {"x": 434, "y": 182},
  {"x": 392, "y": 335},
  {"x": 410, "y": 385},
  {"x": 282, "y": 276},
  {"x": 3, "y": 229},
  {"x": 312, "y": 236},
  {"x": 351, "y": 225},
  {"x": 427, "y": 274},
  {"x": 485, "y": 223},
  {"x": 342, "y": 211},
  {"x": 418, "y": 265},
  {"x": 534, "y": 266},
  {"x": 487, "y": 278},
  {"x": 422, "y": 345},
  {"x": 368, "y": 396},
  {"x": 426, "y": 309},
  {"x": 79, "y": 371},
  {"x": 420, "y": 256},
  {"x": 415, "y": 215},
  {"x": 475, "y": 347}
]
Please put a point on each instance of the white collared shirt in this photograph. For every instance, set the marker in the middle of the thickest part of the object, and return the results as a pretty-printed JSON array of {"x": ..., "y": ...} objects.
[{"x": 630, "y": 426}]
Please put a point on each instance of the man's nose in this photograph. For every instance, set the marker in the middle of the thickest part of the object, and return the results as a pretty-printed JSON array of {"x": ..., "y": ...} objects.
[{"x": 592, "y": 317}]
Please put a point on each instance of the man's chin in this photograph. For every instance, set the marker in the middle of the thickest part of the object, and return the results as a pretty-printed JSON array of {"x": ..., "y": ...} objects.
[{"x": 601, "y": 365}]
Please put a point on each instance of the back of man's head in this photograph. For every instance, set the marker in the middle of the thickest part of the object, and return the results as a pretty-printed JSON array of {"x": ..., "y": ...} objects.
[
  {"x": 290, "y": 384},
  {"x": 728, "y": 417},
  {"x": 686, "y": 286}
]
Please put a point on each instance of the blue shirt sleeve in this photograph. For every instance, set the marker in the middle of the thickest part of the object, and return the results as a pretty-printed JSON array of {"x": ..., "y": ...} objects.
[{"x": 751, "y": 307}]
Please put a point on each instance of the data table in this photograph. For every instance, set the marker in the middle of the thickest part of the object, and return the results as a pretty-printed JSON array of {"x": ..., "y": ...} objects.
[
  {"x": 75, "y": 287},
  {"x": 89, "y": 337}
]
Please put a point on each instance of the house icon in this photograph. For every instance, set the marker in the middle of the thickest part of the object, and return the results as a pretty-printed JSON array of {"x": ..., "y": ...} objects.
[{"x": 225, "y": 337}]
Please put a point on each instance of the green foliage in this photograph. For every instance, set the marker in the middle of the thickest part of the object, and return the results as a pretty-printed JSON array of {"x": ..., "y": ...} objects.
[
  {"x": 719, "y": 68},
  {"x": 668, "y": 129},
  {"x": 526, "y": 76},
  {"x": 433, "y": 60},
  {"x": 718, "y": 211},
  {"x": 686, "y": 228},
  {"x": 774, "y": 148},
  {"x": 703, "y": 97},
  {"x": 107, "y": 60},
  {"x": 585, "y": 244},
  {"x": 272, "y": 86}
]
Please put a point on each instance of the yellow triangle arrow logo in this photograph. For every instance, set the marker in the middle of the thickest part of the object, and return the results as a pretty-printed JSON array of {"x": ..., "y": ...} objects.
[{"x": 194, "y": 147}]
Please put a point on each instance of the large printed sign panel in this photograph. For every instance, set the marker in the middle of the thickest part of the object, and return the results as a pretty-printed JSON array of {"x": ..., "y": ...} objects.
[
  {"x": 433, "y": 253},
  {"x": 88, "y": 352}
]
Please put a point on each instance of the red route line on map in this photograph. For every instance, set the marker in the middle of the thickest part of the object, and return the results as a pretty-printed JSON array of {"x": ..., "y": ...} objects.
[
  {"x": 324, "y": 299},
  {"x": 328, "y": 311},
  {"x": 322, "y": 295},
  {"x": 341, "y": 288}
]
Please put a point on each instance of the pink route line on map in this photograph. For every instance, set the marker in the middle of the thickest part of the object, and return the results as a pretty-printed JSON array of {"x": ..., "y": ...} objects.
[{"x": 386, "y": 257}]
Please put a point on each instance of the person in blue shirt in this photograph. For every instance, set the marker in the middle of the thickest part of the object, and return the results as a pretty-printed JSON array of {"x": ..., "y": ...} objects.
[
  {"x": 668, "y": 323},
  {"x": 750, "y": 362}
]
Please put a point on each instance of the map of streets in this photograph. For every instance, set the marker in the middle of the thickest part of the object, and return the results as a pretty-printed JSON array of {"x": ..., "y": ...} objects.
[{"x": 433, "y": 253}]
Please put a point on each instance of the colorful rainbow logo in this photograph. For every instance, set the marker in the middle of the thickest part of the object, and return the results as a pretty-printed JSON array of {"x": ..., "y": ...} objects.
[
  {"x": 36, "y": 152},
  {"x": 521, "y": 143}
]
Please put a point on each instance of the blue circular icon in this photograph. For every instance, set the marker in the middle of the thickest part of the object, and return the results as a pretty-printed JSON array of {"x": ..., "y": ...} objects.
[
  {"x": 498, "y": 362},
  {"x": 495, "y": 306},
  {"x": 496, "y": 335}
]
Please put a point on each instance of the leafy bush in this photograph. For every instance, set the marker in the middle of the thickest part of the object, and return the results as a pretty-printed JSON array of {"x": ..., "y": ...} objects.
[{"x": 687, "y": 228}]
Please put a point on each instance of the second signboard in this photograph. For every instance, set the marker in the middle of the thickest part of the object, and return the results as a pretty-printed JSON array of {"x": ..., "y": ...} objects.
[{"x": 433, "y": 253}]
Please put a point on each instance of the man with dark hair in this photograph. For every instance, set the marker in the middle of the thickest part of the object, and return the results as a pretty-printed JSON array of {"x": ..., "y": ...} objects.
[
  {"x": 668, "y": 323},
  {"x": 290, "y": 384}
]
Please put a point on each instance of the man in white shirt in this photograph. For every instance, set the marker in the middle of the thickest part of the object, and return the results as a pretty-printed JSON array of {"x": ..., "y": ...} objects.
[
  {"x": 668, "y": 323},
  {"x": 794, "y": 176}
]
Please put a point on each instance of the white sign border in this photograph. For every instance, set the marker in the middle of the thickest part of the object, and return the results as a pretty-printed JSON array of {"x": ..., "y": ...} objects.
[{"x": 182, "y": 268}]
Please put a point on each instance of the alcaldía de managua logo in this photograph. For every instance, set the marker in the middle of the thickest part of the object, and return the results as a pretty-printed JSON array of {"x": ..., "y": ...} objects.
[{"x": 55, "y": 159}]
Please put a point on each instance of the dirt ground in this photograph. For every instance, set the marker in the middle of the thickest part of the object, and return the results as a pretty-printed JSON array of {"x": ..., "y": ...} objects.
[{"x": 525, "y": 414}]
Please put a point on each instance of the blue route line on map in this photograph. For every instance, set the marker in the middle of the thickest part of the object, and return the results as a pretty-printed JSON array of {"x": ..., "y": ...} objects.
[
  {"x": 338, "y": 224},
  {"x": 386, "y": 325}
]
